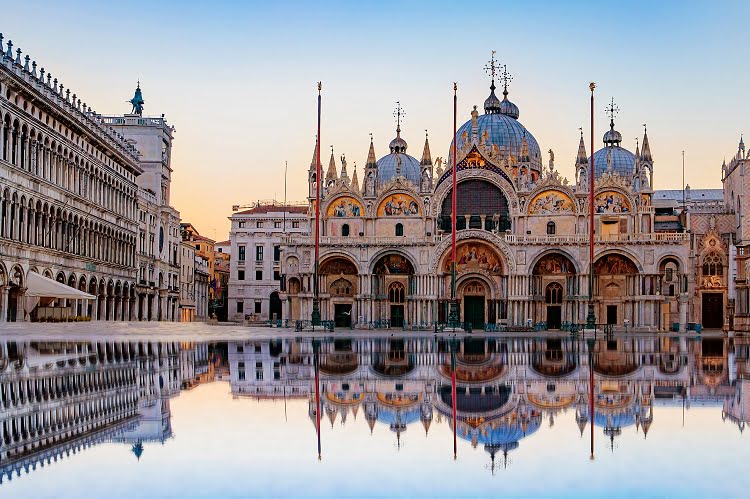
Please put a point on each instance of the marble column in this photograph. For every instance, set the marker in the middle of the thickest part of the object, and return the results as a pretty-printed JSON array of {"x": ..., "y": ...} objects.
[{"x": 4, "y": 290}]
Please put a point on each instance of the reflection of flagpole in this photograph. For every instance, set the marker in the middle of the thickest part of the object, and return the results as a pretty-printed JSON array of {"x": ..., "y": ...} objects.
[
  {"x": 316, "y": 365},
  {"x": 453, "y": 385},
  {"x": 591, "y": 343},
  {"x": 286, "y": 167}
]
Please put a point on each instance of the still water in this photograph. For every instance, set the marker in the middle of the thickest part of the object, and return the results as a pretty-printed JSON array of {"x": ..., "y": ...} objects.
[{"x": 374, "y": 416}]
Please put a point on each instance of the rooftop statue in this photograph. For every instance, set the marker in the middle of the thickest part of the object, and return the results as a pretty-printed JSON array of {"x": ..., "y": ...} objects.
[{"x": 137, "y": 101}]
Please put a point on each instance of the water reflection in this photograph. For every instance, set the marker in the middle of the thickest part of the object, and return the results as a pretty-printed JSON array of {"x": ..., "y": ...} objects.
[{"x": 494, "y": 393}]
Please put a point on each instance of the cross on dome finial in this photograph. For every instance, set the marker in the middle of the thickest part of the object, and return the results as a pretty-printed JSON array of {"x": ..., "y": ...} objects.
[
  {"x": 506, "y": 78},
  {"x": 492, "y": 66},
  {"x": 398, "y": 114},
  {"x": 612, "y": 110}
]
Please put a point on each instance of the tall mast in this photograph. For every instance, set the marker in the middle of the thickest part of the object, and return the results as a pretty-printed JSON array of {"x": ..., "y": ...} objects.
[
  {"x": 453, "y": 313},
  {"x": 591, "y": 318},
  {"x": 316, "y": 296}
]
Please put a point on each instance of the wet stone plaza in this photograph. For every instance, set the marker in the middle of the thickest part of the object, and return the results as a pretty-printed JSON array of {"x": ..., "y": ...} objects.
[{"x": 368, "y": 415}]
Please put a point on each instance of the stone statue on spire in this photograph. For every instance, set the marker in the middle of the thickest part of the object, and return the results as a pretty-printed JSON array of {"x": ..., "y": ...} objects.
[{"x": 137, "y": 101}]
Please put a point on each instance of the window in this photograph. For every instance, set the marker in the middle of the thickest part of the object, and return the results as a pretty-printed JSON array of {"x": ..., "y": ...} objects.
[
  {"x": 240, "y": 368},
  {"x": 240, "y": 349},
  {"x": 240, "y": 275},
  {"x": 276, "y": 275},
  {"x": 198, "y": 247},
  {"x": 396, "y": 292},
  {"x": 241, "y": 253},
  {"x": 295, "y": 225},
  {"x": 240, "y": 307},
  {"x": 712, "y": 265},
  {"x": 553, "y": 294},
  {"x": 241, "y": 224},
  {"x": 399, "y": 229},
  {"x": 259, "y": 253},
  {"x": 257, "y": 306},
  {"x": 276, "y": 253},
  {"x": 258, "y": 275},
  {"x": 550, "y": 228},
  {"x": 259, "y": 225},
  {"x": 277, "y": 225},
  {"x": 345, "y": 230}
]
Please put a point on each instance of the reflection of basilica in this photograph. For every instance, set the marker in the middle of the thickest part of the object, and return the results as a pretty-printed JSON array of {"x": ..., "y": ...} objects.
[
  {"x": 522, "y": 229},
  {"x": 58, "y": 398},
  {"x": 505, "y": 387}
]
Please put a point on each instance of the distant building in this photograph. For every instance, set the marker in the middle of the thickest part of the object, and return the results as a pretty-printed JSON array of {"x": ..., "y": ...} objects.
[
  {"x": 224, "y": 247},
  {"x": 255, "y": 269},
  {"x": 201, "y": 288},
  {"x": 187, "y": 282}
]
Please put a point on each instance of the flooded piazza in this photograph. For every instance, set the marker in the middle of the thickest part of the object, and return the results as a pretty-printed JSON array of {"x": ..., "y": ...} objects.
[{"x": 358, "y": 414}]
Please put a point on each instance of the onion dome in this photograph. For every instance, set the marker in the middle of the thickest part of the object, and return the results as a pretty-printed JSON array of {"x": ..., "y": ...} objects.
[
  {"x": 500, "y": 129},
  {"x": 398, "y": 163},
  {"x": 612, "y": 157}
]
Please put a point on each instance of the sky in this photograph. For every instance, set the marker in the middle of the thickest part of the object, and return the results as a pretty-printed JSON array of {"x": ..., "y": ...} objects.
[{"x": 238, "y": 80}]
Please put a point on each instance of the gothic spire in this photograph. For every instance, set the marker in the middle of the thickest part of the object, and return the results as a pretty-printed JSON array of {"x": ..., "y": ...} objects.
[
  {"x": 637, "y": 165},
  {"x": 355, "y": 188},
  {"x": 371, "y": 161},
  {"x": 581, "y": 158},
  {"x": 331, "y": 174},
  {"x": 314, "y": 160},
  {"x": 426, "y": 157},
  {"x": 646, "y": 150}
]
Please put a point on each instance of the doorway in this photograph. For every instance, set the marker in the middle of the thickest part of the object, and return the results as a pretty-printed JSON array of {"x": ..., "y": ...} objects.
[
  {"x": 397, "y": 316},
  {"x": 474, "y": 311},
  {"x": 611, "y": 314},
  {"x": 342, "y": 314},
  {"x": 554, "y": 316},
  {"x": 274, "y": 310},
  {"x": 713, "y": 310}
]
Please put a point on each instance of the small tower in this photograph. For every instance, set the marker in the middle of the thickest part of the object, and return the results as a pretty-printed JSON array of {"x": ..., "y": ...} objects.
[
  {"x": 582, "y": 166},
  {"x": 426, "y": 167},
  {"x": 371, "y": 172},
  {"x": 741, "y": 149}
]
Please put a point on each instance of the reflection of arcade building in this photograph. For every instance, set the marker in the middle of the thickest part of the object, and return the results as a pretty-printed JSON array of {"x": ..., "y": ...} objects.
[
  {"x": 522, "y": 236},
  {"x": 59, "y": 398}
]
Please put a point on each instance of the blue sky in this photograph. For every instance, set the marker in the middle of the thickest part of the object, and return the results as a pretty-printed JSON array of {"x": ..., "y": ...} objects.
[{"x": 237, "y": 79}]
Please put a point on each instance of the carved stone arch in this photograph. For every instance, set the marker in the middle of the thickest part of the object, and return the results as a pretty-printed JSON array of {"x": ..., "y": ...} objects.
[
  {"x": 555, "y": 251},
  {"x": 341, "y": 197},
  {"x": 622, "y": 252},
  {"x": 666, "y": 258},
  {"x": 383, "y": 197},
  {"x": 496, "y": 179},
  {"x": 3, "y": 275},
  {"x": 498, "y": 243},
  {"x": 376, "y": 258},
  {"x": 329, "y": 257},
  {"x": 546, "y": 188},
  {"x": 605, "y": 187},
  {"x": 493, "y": 292},
  {"x": 16, "y": 276}
]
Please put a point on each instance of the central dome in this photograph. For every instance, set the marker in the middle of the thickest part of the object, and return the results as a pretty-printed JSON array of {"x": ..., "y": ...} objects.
[
  {"x": 500, "y": 130},
  {"x": 398, "y": 162},
  {"x": 612, "y": 157}
]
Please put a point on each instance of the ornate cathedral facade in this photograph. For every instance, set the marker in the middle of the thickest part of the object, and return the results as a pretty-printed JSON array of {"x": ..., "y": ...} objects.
[{"x": 522, "y": 236}]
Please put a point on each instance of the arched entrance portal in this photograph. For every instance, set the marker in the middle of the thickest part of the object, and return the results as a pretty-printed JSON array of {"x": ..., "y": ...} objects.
[
  {"x": 474, "y": 310},
  {"x": 339, "y": 280},
  {"x": 392, "y": 286},
  {"x": 616, "y": 279},
  {"x": 554, "y": 280}
]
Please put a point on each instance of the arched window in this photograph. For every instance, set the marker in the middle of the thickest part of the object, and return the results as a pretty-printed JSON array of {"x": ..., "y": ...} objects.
[
  {"x": 345, "y": 230},
  {"x": 712, "y": 264},
  {"x": 399, "y": 229},
  {"x": 396, "y": 292},
  {"x": 550, "y": 228},
  {"x": 553, "y": 294}
]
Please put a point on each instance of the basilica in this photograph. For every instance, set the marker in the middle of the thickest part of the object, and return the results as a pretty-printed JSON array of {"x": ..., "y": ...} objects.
[{"x": 664, "y": 260}]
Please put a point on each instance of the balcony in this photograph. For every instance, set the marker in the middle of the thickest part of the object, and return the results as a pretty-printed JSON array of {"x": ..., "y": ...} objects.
[{"x": 656, "y": 237}]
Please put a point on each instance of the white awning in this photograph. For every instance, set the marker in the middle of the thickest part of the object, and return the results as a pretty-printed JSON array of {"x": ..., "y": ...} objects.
[{"x": 44, "y": 287}]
